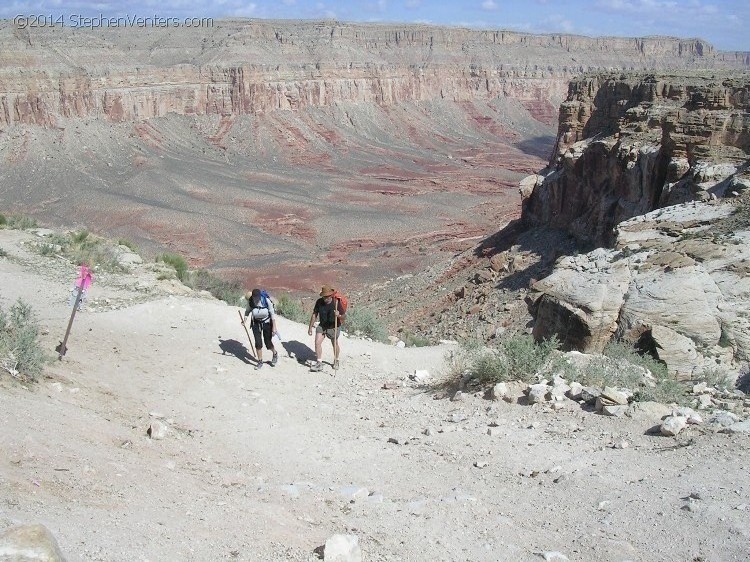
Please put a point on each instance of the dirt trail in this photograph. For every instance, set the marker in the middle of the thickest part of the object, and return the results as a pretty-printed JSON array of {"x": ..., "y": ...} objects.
[{"x": 266, "y": 465}]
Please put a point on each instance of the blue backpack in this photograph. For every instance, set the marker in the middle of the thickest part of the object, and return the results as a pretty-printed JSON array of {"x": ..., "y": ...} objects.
[{"x": 264, "y": 298}]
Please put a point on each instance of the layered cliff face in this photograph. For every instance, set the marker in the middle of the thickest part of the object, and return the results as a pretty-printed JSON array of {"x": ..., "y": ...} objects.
[
  {"x": 629, "y": 144},
  {"x": 234, "y": 68},
  {"x": 657, "y": 169}
]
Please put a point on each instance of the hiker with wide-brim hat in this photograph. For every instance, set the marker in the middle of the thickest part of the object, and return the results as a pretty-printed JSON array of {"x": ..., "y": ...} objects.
[
  {"x": 261, "y": 310},
  {"x": 330, "y": 314}
]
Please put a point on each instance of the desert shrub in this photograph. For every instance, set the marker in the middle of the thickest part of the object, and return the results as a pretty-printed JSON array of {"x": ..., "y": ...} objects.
[
  {"x": 82, "y": 247},
  {"x": 600, "y": 371},
  {"x": 666, "y": 390},
  {"x": 3, "y": 221},
  {"x": 20, "y": 352},
  {"x": 414, "y": 340},
  {"x": 128, "y": 244},
  {"x": 292, "y": 309},
  {"x": 622, "y": 351},
  {"x": 516, "y": 357},
  {"x": 79, "y": 237},
  {"x": 718, "y": 377},
  {"x": 177, "y": 262},
  {"x": 21, "y": 223},
  {"x": 202, "y": 280},
  {"x": 364, "y": 321},
  {"x": 3, "y": 253}
]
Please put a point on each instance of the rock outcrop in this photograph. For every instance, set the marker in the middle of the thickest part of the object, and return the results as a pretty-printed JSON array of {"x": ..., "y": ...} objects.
[
  {"x": 641, "y": 165},
  {"x": 628, "y": 144},
  {"x": 677, "y": 283},
  {"x": 251, "y": 67}
]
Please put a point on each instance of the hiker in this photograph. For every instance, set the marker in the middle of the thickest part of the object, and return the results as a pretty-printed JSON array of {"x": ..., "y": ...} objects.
[
  {"x": 331, "y": 316},
  {"x": 263, "y": 316}
]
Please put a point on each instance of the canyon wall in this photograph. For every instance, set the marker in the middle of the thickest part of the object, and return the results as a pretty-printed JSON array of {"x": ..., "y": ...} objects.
[
  {"x": 251, "y": 67},
  {"x": 656, "y": 167},
  {"x": 628, "y": 144}
]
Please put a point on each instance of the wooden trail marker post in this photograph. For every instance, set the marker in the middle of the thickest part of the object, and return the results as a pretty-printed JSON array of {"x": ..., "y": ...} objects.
[{"x": 84, "y": 281}]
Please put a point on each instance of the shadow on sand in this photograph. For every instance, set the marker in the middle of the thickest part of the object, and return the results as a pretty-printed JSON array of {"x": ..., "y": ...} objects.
[
  {"x": 298, "y": 350},
  {"x": 235, "y": 348}
]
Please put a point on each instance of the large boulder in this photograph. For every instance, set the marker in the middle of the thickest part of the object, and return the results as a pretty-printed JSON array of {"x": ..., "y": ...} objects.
[
  {"x": 29, "y": 543},
  {"x": 669, "y": 284}
]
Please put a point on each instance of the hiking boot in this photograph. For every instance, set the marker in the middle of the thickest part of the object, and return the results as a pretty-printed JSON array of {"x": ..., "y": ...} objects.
[
  {"x": 336, "y": 364},
  {"x": 274, "y": 359},
  {"x": 259, "y": 365},
  {"x": 317, "y": 366}
]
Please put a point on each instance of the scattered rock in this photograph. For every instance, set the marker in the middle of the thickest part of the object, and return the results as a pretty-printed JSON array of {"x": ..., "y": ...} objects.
[
  {"x": 723, "y": 419},
  {"x": 740, "y": 427},
  {"x": 342, "y": 548},
  {"x": 613, "y": 396},
  {"x": 589, "y": 394},
  {"x": 614, "y": 411},
  {"x": 650, "y": 410},
  {"x": 420, "y": 375},
  {"x": 673, "y": 425},
  {"x": 157, "y": 430},
  {"x": 575, "y": 391},
  {"x": 537, "y": 393},
  {"x": 499, "y": 391},
  {"x": 704, "y": 401}
]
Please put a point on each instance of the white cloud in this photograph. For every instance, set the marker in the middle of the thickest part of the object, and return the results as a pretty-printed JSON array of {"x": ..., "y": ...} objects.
[
  {"x": 411, "y": 4},
  {"x": 246, "y": 11},
  {"x": 489, "y": 5}
]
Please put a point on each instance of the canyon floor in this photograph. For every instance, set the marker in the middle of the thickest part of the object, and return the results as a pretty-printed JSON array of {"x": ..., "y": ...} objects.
[
  {"x": 347, "y": 195},
  {"x": 266, "y": 465}
]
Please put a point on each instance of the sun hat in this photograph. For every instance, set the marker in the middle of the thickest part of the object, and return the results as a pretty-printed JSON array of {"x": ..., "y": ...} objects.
[{"x": 327, "y": 291}]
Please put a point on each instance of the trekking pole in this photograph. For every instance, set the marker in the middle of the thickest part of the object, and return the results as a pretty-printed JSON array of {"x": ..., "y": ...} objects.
[
  {"x": 335, "y": 333},
  {"x": 252, "y": 347}
]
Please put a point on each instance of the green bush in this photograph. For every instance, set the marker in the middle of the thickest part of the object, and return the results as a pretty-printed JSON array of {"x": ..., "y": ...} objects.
[
  {"x": 718, "y": 377},
  {"x": 292, "y": 309},
  {"x": 79, "y": 237},
  {"x": 413, "y": 340},
  {"x": 202, "y": 280},
  {"x": 128, "y": 244},
  {"x": 82, "y": 247},
  {"x": 666, "y": 391},
  {"x": 365, "y": 322},
  {"x": 3, "y": 221},
  {"x": 621, "y": 350},
  {"x": 3, "y": 253},
  {"x": 516, "y": 357},
  {"x": 177, "y": 262},
  {"x": 20, "y": 352},
  {"x": 21, "y": 223}
]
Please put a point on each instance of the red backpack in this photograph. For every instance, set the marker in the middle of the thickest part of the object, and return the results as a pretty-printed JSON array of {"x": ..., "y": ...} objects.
[{"x": 342, "y": 299}]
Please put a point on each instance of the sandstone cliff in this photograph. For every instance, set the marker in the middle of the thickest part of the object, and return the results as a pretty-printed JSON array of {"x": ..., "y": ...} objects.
[
  {"x": 642, "y": 164},
  {"x": 241, "y": 67},
  {"x": 628, "y": 144}
]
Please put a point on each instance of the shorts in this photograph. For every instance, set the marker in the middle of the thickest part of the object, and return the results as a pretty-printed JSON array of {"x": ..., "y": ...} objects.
[{"x": 328, "y": 332}]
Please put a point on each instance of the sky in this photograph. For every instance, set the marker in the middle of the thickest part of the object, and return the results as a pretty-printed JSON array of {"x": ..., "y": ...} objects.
[{"x": 722, "y": 23}]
